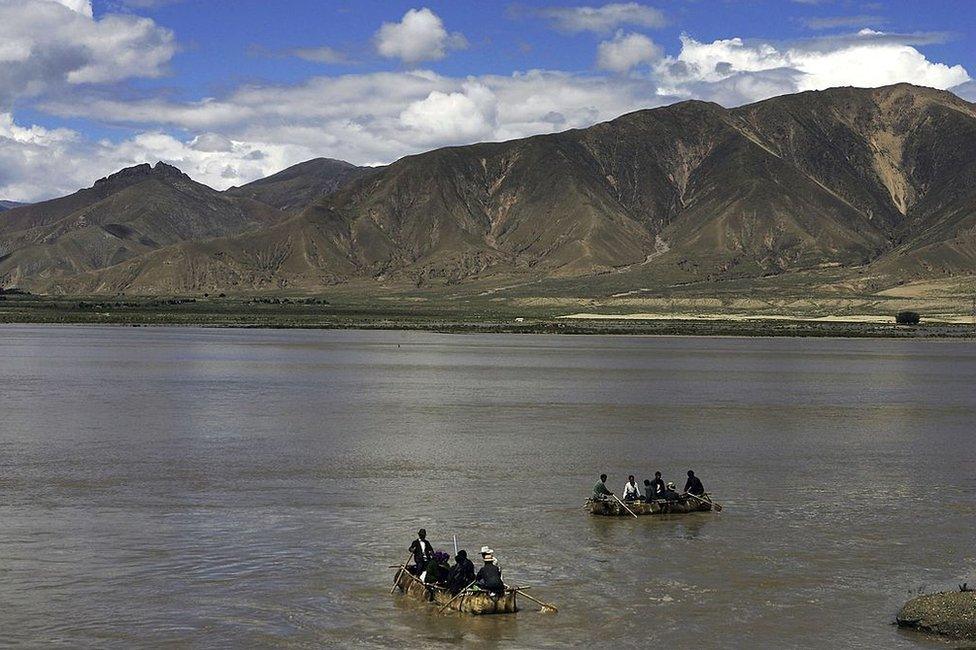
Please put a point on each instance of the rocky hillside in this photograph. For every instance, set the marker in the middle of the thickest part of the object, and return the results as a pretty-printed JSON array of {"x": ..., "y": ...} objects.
[
  {"x": 881, "y": 181},
  {"x": 298, "y": 186}
]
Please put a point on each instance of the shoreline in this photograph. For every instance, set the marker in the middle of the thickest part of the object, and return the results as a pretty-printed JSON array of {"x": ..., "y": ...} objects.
[{"x": 658, "y": 327}]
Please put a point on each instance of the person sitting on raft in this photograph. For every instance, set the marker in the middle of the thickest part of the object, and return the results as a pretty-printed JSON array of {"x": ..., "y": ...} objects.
[
  {"x": 600, "y": 490},
  {"x": 694, "y": 485},
  {"x": 657, "y": 487},
  {"x": 422, "y": 552},
  {"x": 461, "y": 574},
  {"x": 670, "y": 493},
  {"x": 437, "y": 569},
  {"x": 648, "y": 491},
  {"x": 631, "y": 492},
  {"x": 489, "y": 576}
]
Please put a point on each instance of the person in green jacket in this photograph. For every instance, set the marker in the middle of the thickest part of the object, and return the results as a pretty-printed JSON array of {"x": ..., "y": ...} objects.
[{"x": 600, "y": 490}]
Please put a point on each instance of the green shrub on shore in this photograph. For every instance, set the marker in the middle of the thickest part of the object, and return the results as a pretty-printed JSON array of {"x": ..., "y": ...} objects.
[{"x": 907, "y": 318}]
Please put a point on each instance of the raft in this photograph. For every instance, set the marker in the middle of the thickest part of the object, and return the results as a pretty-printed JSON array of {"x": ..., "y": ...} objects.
[
  {"x": 472, "y": 602},
  {"x": 610, "y": 507}
]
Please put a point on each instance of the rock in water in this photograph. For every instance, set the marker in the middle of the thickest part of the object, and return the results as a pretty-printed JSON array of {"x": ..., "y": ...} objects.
[{"x": 950, "y": 614}]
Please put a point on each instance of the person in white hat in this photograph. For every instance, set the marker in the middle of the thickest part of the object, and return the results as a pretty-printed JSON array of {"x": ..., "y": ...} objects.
[{"x": 489, "y": 576}]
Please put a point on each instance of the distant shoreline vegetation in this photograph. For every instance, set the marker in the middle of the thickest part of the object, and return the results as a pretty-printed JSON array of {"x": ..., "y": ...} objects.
[{"x": 319, "y": 313}]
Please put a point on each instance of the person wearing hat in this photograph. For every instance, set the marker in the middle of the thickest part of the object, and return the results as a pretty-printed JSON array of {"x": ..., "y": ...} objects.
[
  {"x": 489, "y": 576},
  {"x": 670, "y": 493},
  {"x": 422, "y": 551},
  {"x": 694, "y": 485},
  {"x": 461, "y": 574}
]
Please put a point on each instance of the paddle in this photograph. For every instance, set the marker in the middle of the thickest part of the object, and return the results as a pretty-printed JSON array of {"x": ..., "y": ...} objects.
[
  {"x": 547, "y": 608},
  {"x": 624, "y": 505},
  {"x": 396, "y": 577},
  {"x": 715, "y": 506},
  {"x": 459, "y": 594}
]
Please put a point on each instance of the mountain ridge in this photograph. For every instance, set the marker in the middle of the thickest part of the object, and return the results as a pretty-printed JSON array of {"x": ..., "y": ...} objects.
[{"x": 880, "y": 179}]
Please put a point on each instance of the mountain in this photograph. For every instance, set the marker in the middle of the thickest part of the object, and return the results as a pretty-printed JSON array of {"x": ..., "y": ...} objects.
[
  {"x": 126, "y": 215},
  {"x": 298, "y": 186},
  {"x": 6, "y": 205},
  {"x": 875, "y": 182}
]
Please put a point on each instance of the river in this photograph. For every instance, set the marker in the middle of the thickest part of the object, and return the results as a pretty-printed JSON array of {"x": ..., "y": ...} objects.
[{"x": 217, "y": 487}]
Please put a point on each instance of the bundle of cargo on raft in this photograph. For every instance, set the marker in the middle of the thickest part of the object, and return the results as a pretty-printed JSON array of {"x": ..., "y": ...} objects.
[
  {"x": 471, "y": 601},
  {"x": 616, "y": 508}
]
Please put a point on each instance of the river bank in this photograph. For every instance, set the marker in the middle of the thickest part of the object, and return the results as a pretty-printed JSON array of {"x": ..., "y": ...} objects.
[{"x": 478, "y": 317}]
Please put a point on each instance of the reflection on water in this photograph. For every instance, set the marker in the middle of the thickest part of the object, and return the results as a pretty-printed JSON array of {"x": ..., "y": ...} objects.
[{"x": 175, "y": 486}]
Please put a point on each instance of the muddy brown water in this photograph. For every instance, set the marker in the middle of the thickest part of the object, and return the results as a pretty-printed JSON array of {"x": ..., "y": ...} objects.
[{"x": 249, "y": 488}]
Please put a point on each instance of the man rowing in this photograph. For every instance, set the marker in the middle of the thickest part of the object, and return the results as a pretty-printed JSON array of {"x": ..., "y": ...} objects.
[
  {"x": 600, "y": 490},
  {"x": 694, "y": 485}
]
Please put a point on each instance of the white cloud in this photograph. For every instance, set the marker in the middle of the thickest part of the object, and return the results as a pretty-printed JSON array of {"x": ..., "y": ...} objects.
[
  {"x": 38, "y": 163},
  {"x": 82, "y": 7},
  {"x": 604, "y": 19},
  {"x": 739, "y": 71},
  {"x": 50, "y": 45},
  {"x": 626, "y": 51},
  {"x": 450, "y": 117},
  {"x": 419, "y": 36},
  {"x": 375, "y": 118}
]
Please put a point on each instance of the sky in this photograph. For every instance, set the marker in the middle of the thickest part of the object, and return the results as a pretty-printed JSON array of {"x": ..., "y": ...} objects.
[{"x": 234, "y": 90}]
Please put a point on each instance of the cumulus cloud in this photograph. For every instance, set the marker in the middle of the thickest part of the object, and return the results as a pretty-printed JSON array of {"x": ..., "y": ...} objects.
[
  {"x": 604, "y": 19},
  {"x": 38, "y": 163},
  {"x": 738, "y": 71},
  {"x": 377, "y": 117},
  {"x": 626, "y": 51},
  {"x": 51, "y": 44},
  {"x": 419, "y": 36}
]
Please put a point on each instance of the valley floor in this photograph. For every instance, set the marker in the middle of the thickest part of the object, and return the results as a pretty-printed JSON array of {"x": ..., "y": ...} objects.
[{"x": 471, "y": 314}]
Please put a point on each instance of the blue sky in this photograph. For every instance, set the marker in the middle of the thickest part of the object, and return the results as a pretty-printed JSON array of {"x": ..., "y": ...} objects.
[{"x": 232, "y": 90}]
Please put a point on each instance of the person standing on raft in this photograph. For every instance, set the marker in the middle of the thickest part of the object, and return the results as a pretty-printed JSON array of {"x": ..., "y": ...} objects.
[
  {"x": 422, "y": 552},
  {"x": 600, "y": 490},
  {"x": 694, "y": 485},
  {"x": 657, "y": 487}
]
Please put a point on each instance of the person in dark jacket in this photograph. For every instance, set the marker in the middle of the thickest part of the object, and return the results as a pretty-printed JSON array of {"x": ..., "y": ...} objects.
[
  {"x": 461, "y": 574},
  {"x": 422, "y": 552},
  {"x": 670, "y": 493},
  {"x": 694, "y": 485},
  {"x": 437, "y": 569},
  {"x": 657, "y": 487},
  {"x": 489, "y": 576}
]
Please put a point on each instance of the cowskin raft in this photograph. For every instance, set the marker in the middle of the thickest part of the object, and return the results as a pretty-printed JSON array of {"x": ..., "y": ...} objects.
[
  {"x": 472, "y": 602},
  {"x": 611, "y": 508}
]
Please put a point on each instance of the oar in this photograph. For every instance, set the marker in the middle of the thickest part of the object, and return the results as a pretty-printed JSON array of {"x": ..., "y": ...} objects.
[
  {"x": 715, "y": 506},
  {"x": 624, "y": 505},
  {"x": 460, "y": 593},
  {"x": 547, "y": 608},
  {"x": 396, "y": 577}
]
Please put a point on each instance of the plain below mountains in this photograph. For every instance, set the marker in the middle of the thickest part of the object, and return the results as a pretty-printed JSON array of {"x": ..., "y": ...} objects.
[{"x": 871, "y": 183}]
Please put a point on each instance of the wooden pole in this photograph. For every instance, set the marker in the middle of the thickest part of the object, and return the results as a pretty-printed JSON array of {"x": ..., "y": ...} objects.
[
  {"x": 547, "y": 608},
  {"x": 625, "y": 506},
  {"x": 396, "y": 576},
  {"x": 715, "y": 506},
  {"x": 459, "y": 594}
]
